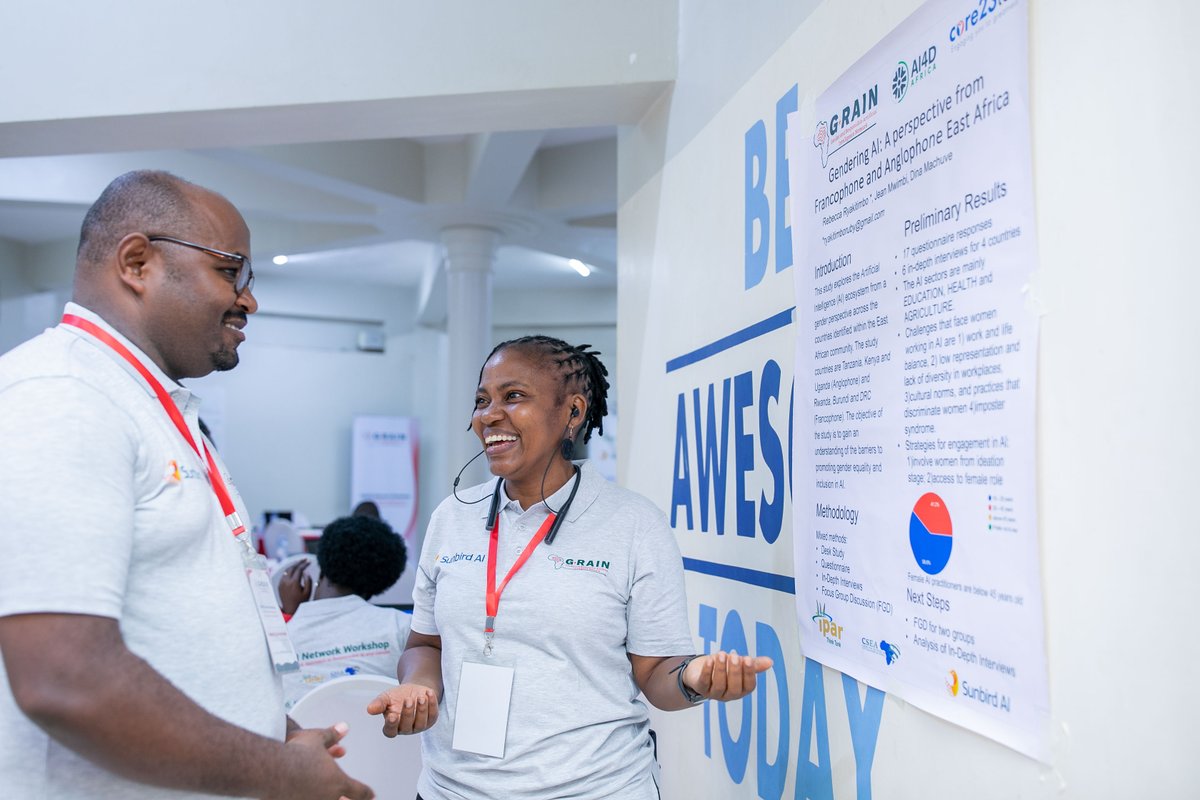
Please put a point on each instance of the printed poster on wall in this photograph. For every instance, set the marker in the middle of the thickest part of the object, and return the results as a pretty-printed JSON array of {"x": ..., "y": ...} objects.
[
  {"x": 916, "y": 551},
  {"x": 384, "y": 469}
]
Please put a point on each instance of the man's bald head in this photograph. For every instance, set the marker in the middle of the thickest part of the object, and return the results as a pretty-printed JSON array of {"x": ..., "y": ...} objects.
[
  {"x": 176, "y": 301},
  {"x": 144, "y": 201}
]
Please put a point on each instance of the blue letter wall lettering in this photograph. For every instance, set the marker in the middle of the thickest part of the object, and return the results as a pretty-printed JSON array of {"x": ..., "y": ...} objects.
[
  {"x": 783, "y": 231},
  {"x": 813, "y": 781},
  {"x": 770, "y": 515},
  {"x": 707, "y": 629},
  {"x": 772, "y": 776},
  {"x": 737, "y": 751},
  {"x": 743, "y": 443},
  {"x": 864, "y": 731},
  {"x": 758, "y": 208},
  {"x": 681, "y": 481},
  {"x": 711, "y": 462}
]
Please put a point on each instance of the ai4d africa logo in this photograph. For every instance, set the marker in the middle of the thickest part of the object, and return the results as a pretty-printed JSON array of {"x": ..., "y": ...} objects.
[
  {"x": 909, "y": 72},
  {"x": 900, "y": 81},
  {"x": 173, "y": 474},
  {"x": 952, "y": 684},
  {"x": 828, "y": 628}
]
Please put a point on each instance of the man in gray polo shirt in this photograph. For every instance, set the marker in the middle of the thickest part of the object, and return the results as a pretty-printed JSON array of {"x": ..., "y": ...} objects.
[{"x": 133, "y": 655}]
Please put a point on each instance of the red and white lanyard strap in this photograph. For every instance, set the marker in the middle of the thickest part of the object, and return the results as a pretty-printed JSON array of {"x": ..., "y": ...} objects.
[
  {"x": 492, "y": 599},
  {"x": 214, "y": 475}
]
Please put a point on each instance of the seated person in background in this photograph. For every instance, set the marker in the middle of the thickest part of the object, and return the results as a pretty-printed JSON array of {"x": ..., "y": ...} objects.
[
  {"x": 338, "y": 632},
  {"x": 367, "y": 508}
]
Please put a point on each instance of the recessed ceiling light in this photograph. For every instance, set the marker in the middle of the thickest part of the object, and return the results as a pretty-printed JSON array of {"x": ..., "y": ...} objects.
[
  {"x": 280, "y": 260},
  {"x": 580, "y": 267}
]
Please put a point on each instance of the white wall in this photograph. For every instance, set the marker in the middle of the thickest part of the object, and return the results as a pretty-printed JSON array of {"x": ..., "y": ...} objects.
[
  {"x": 1117, "y": 431},
  {"x": 27, "y": 307}
]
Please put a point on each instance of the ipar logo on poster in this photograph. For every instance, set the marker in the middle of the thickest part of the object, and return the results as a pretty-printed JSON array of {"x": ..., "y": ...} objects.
[{"x": 828, "y": 628}]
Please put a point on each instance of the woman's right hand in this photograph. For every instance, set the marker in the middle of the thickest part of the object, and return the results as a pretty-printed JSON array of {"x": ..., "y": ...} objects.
[
  {"x": 408, "y": 708},
  {"x": 295, "y": 587}
]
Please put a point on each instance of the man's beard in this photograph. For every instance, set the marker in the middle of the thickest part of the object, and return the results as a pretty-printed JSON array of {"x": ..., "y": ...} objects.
[{"x": 224, "y": 360}]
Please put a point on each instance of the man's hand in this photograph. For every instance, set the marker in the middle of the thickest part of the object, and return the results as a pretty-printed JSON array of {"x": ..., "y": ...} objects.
[
  {"x": 311, "y": 772},
  {"x": 336, "y": 749},
  {"x": 73, "y": 676},
  {"x": 295, "y": 587},
  {"x": 409, "y": 708},
  {"x": 724, "y": 676}
]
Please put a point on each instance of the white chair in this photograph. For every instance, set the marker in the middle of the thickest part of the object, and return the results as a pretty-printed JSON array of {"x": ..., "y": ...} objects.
[
  {"x": 389, "y": 766},
  {"x": 281, "y": 539}
]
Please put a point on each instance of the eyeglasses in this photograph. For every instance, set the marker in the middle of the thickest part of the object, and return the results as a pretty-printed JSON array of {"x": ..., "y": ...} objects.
[{"x": 245, "y": 275}]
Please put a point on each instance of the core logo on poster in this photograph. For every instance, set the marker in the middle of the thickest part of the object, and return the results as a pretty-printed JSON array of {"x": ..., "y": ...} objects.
[{"x": 969, "y": 22}]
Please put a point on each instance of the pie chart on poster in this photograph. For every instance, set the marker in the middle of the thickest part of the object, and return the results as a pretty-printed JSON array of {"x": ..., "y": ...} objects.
[{"x": 929, "y": 533}]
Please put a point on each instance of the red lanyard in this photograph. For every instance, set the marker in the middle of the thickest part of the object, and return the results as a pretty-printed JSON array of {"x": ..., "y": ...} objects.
[
  {"x": 214, "y": 475},
  {"x": 493, "y": 593}
]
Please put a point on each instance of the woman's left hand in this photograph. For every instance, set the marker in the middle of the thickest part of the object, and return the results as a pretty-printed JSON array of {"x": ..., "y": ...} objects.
[{"x": 724, "y": 676}]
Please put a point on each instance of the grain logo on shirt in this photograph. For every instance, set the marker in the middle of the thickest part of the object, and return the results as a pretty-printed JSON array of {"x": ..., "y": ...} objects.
[{"x": 585, "y": 564}]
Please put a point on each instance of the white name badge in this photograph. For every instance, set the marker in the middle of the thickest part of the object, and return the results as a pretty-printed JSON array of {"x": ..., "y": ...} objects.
[
  {"x": 283, "y": 655},
  {"x": 481, "y": 715}
]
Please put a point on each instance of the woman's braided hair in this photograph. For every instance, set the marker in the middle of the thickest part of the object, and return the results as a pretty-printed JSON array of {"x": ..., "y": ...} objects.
[{"x": 580, "y": 369}]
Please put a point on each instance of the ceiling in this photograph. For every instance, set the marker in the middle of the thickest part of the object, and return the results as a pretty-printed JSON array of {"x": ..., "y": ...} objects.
[{"x": 369, "y": 212}]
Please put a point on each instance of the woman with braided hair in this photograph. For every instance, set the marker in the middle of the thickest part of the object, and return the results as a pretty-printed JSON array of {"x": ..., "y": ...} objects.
[{"x": 548, "y": 603}]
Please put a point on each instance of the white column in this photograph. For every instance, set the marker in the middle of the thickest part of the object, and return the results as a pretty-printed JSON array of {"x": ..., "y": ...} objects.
[{"x": 470, "y": 253}]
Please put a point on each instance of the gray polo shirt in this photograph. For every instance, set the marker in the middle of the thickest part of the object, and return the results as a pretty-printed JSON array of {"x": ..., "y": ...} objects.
[
  {"x": 610, "y": 584},
  {"x": 342, "y": 636},
  {"x": 107, "y": 511}
]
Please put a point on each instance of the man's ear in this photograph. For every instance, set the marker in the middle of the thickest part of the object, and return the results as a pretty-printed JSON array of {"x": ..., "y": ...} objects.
[{"x": 134, "y": 258}]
